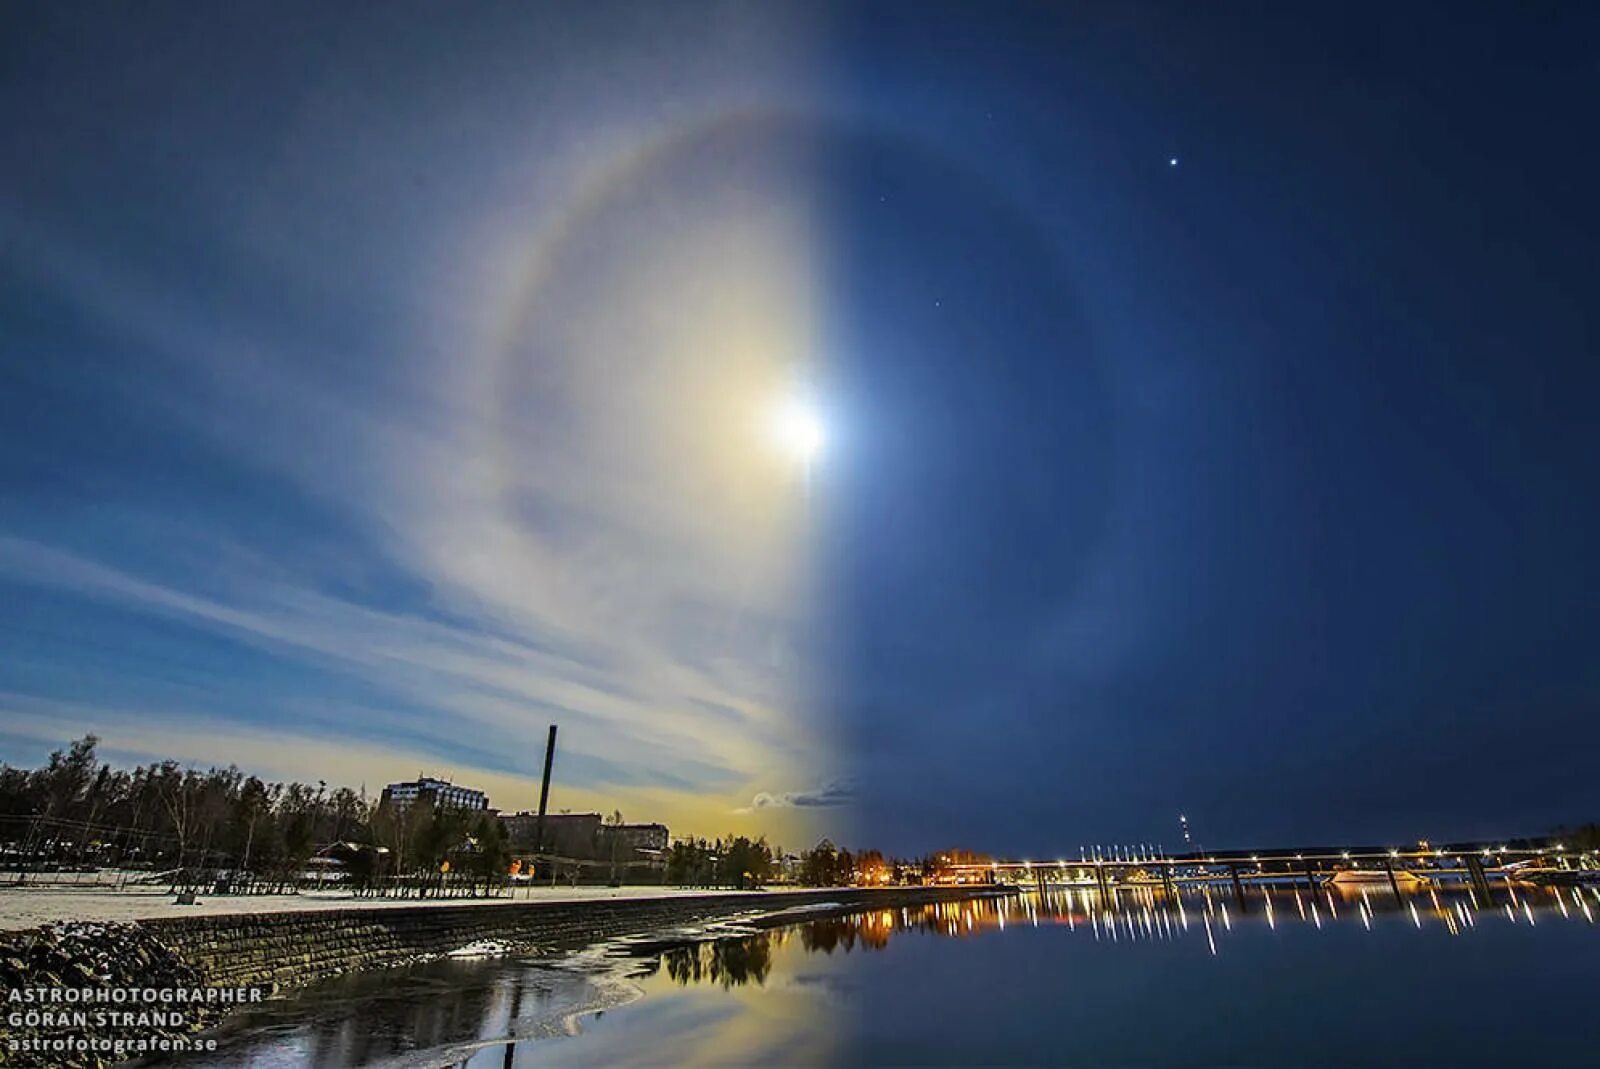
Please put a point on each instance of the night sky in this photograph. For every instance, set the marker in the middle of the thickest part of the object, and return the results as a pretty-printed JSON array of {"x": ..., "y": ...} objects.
[{"x": 1207, "y": 396}]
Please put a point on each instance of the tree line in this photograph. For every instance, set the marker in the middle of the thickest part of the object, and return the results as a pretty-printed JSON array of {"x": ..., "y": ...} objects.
[
  {"x": 737, "y": 861},
  {"x": 76, "y": 811},
  {"x": 221, "y": 826}
]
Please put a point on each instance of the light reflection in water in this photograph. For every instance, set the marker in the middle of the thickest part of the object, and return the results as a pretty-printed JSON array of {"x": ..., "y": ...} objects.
[
  {"x": 1135, "y": 915},
  {"x": 1138, "y": 914},
  {"x": 768, "y": 990}
]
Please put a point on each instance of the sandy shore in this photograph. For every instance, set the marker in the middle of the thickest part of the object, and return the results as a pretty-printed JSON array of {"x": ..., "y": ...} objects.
[{"x": 25, "y": 907}]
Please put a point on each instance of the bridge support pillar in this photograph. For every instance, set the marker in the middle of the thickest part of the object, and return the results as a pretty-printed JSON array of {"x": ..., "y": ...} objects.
[
  {"x": 1394, "y": 884},
  {"x": 1480, "y": 882}
]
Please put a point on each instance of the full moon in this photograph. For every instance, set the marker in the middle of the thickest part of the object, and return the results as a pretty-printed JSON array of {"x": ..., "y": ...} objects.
[{"x": 797, "y": 430}]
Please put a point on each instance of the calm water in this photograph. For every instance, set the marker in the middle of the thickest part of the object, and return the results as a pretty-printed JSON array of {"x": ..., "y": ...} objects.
[{"x": 1286, "y": 977}]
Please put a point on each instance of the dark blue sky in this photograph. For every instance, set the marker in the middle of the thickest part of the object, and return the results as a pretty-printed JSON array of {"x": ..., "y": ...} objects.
[
  {"x": 375, "y": 383},
  {"x": 1257, "y": 487}
]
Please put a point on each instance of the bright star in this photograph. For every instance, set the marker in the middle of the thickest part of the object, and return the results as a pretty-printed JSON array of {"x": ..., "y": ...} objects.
[{"x": 1173, "y": 162}]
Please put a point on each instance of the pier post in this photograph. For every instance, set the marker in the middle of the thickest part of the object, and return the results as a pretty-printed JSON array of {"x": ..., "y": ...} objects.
[
  {"x": 1311, "y": 879},
  {"x": 1166, "y": 881},
  {"x": 509, "y": 1058},
  {"x": 1238, "y": 885}
]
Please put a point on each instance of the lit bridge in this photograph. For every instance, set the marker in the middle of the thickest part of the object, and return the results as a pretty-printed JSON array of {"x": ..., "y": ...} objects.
[{"x": 1475, "y": 865}]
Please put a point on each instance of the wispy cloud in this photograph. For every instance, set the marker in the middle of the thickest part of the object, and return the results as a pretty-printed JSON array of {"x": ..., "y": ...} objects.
[
  {"x": 444, "y": 515},
  {"x": 836, "y": 793}
]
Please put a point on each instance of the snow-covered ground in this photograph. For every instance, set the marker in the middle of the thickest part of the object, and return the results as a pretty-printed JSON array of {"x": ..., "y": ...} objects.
[{"x": 25, "y": 907}]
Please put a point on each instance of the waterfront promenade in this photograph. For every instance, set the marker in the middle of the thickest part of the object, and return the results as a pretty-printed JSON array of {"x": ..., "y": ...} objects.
[{"x": 22, "y": 908}]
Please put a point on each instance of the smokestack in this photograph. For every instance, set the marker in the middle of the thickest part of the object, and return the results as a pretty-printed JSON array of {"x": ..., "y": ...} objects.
[{"x": 544, "y": 790}]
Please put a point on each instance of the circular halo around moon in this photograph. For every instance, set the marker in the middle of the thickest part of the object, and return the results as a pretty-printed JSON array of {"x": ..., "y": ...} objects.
[
  {"x": 664, "y": 312},
  {"x": 662, "y": 321}
]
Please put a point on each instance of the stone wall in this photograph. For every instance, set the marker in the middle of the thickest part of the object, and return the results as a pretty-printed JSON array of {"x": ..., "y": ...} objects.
[{"x": 286, "y": 950}]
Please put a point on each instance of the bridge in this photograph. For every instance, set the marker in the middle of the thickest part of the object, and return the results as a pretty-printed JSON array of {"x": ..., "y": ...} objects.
[{"x": 1473, "y": 864}]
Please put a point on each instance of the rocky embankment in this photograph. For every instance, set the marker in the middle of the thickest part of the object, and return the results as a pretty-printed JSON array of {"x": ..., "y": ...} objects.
[{"x": 51, "y": 978}]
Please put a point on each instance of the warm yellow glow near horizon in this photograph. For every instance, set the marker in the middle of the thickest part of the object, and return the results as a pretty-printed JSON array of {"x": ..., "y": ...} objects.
[{"x": 199, "y": 741}]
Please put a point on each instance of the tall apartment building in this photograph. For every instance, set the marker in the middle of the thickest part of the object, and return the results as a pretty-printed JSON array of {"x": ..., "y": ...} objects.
[{"x": 435, "y": 793}]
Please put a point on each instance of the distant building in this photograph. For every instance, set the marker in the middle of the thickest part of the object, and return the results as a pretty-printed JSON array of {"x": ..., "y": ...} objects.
[
  {"x": 574, "y": 835},
  {"x": 634, "y": 840},
  {"x": 434, "y": 793},
  {"x": 585, "y": 836}
]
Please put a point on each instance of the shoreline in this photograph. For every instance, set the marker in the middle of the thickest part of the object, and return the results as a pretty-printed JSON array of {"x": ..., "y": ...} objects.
[
  {"x": 26, "y": 908},
  {"x": 275, "y": 952},
  {"x": 598, "y": 979}
]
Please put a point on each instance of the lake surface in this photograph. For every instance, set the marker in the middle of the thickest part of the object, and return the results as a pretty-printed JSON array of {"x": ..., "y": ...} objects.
[{"x": 1282, "y": 976}]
